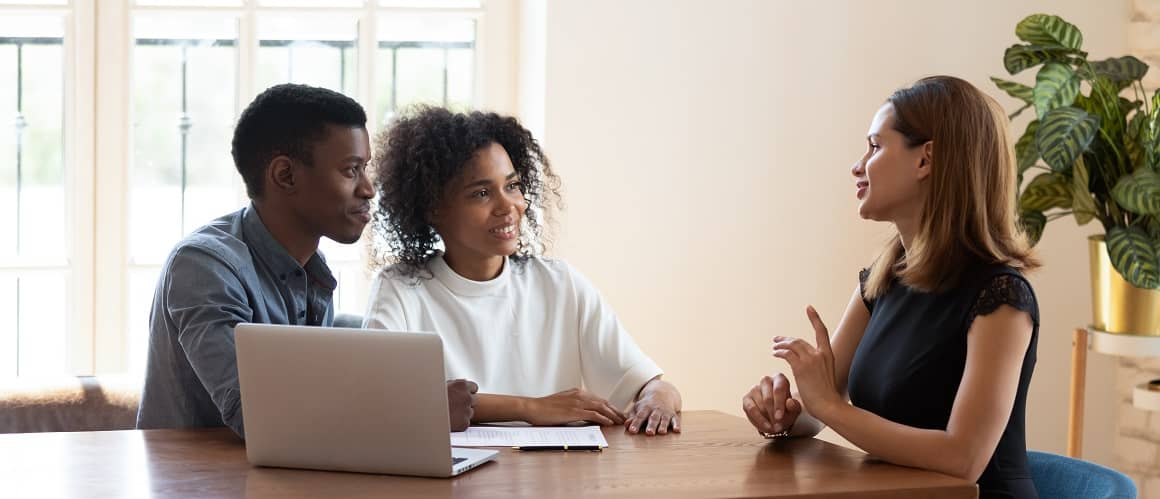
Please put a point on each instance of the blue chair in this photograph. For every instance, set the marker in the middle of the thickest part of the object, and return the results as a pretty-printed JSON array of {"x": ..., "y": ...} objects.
[
  {"x": 1059, "y": 477},
  {"x": 348, "y": 320}
]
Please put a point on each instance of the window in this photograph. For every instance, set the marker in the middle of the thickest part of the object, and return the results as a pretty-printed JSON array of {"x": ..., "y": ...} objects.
[
  {"x": 95, "y": 192},
  {"x": 34, "y": 257}
]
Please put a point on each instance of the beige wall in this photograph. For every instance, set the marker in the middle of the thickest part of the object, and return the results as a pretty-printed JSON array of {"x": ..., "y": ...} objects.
[{"x": 705, "y": 149}]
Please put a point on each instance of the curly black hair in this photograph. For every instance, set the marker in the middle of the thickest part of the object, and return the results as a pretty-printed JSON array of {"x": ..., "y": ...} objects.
[
  {"x": 426, "y": 148},
  {"x": 287, "y": 120}
]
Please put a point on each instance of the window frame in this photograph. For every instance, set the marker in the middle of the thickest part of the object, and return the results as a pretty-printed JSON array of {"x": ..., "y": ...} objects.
[
  {"x": 98, "y": 48},
  {"x": 78, "y": 73}
]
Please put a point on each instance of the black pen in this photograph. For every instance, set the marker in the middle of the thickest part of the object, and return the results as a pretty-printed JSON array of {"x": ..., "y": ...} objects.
[{"x": 596, "y": 448}]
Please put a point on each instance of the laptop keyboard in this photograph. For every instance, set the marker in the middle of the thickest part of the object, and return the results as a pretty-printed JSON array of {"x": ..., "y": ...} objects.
[{"x": 457, "y": 460}]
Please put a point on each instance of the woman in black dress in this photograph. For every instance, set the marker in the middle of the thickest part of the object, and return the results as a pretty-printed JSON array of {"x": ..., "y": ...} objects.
[{"x": 931, "y": 361}]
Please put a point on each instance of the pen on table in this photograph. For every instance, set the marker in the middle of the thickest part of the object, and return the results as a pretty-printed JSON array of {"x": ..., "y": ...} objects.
[{"x": 596, "y": 448}]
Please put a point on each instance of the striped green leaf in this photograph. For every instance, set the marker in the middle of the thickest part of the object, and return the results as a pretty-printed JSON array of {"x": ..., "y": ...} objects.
[
  {"x": 1065, "y": 133},
  {"x": 1026, "y": 154},
  {"x": 1014, "y": 89},
  {"x": 1043, "y": 29},
  {"x": 1127, "y": 106},
  {"x": 1156, "y": 246},
  {"x": 1106, "y": 103},
  {"x": 1047, "y": 191},
  {"x": 1015, "y": 114},
  {"x": 1153, "y": 228},
  {"x": 1135, "y": 139},
  {"x": 1121, "y": 69},
  {"x": 1056, "y": 85},
  {"x": 1150, "y": 135},
  {"x": 1032, "y": 222},
  {"x": 1133, "y": 254},
  {"x": 1019, "y": 57},
  {"x": 1083, "y": 206},
  {"x": 1139, "y": 192}
]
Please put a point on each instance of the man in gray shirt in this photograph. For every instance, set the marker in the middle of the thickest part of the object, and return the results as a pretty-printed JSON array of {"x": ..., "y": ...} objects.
[{"x": 302, "y": 152}]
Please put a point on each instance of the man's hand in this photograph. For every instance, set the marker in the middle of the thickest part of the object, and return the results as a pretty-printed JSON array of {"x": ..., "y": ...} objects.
[
  {"x": 572, "y": 405},
  {"x": 656, "y": 410},
  {"x": 461, "y": 403}
]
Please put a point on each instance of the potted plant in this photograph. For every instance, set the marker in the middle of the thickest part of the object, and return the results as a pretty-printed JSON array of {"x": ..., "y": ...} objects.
[{"x": 1095, "y": 143}]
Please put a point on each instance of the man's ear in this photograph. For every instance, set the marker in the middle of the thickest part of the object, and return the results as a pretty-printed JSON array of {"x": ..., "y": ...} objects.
[
  {"x": 926, "y": 160},
  {"x": 280, "y": 174}
]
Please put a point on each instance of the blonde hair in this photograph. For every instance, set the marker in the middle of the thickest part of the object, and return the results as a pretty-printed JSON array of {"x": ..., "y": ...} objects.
[{"x": 970, "y": 210}]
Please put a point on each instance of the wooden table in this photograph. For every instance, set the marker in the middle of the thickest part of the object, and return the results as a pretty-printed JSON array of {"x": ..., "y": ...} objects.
[{"x": 717, "y": 455}]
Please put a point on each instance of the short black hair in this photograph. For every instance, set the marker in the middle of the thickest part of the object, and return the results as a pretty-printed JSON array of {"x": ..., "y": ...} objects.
[
  {"x": 287, "y": 119},
  {"x": 423, "y": 151}
]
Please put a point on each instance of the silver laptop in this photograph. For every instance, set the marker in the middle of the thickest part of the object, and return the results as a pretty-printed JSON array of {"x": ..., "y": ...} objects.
[{"x": 340, "y": 399}]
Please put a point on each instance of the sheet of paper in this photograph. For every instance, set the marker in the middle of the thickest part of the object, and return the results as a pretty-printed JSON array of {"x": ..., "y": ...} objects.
[{"x": 491, "y": 436}]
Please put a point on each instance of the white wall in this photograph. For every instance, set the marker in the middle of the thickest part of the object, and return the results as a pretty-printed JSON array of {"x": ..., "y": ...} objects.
[{"x": 705, "y": 148}]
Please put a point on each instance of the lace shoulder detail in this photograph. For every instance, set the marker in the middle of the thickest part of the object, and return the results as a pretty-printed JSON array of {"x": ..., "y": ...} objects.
[
  {"x": 863, "y": 275},
  {"x": 1006, "y": 289}
]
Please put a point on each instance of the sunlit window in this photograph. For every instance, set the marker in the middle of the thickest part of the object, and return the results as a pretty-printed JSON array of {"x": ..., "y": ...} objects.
[{"x": 187, "y": 69}]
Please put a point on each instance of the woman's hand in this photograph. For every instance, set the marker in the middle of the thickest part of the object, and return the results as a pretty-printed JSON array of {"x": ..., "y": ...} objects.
[
  {"x": 656, "y": 408},
  {"x": 813, "y": 368},
  {"x": 770, "y": 406},
  {"x": 569, "y": 406}
]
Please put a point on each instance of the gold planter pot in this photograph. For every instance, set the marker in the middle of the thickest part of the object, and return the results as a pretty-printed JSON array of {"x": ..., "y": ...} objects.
[{"x": 1117, "y": 306}]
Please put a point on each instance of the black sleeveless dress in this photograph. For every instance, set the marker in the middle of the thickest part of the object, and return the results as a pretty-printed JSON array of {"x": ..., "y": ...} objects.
[{"x": 910, "y": 361}]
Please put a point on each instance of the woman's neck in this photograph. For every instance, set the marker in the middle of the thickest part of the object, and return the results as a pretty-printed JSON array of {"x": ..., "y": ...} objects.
[
  {"x": 906, "y": 231},
  {"x": 475, "y": 269}
]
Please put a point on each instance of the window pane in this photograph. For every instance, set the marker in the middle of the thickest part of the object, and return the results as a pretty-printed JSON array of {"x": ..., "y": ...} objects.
[
  {"x": 313, "y": 50},
  {"x": 193, "y": 3},
  {"x": 8, "y": 126},
  {"x": 385, "y": 81},
  {"x": 213, "y": 184},
  {"x": 351, "y": 277},
  {"x": 337, "y": 253},
  {"x": 463, "y": 4},
  {"x": 202, "y": 29},
  {"x": 42, "y": 210},
  {"x": 41, "y": 326},
  {"x": 184, "y": 100},
  {"x": 142, "y": 282},
  {"x": 422, "y": 59},
  {"x": 155, "y": 180},
  {"x": 420, "y": 76},
  {"x": 9, "y": 323},
  {"x": 311, "y": 3},
  {"x": 32, "y": 171},
  {"x": 32, "y": 197},
  {"x": 34, "y": 2},
  {"x": 415, "y": 28},
  {"x": 460, "y": 78}
]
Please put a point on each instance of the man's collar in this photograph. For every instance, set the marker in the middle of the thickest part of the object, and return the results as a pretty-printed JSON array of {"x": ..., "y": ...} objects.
[{"x": 270, "y": 251}]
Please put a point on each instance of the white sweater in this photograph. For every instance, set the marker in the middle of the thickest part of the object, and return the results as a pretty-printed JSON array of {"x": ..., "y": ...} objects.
[{"x": 538, "y": 328}]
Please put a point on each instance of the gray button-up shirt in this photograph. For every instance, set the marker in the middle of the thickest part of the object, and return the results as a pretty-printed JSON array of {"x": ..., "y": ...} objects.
[{"x": 227, "y": 272}]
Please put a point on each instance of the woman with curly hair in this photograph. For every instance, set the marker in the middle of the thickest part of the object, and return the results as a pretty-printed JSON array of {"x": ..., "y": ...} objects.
[{"x": 462, "y": 204}]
